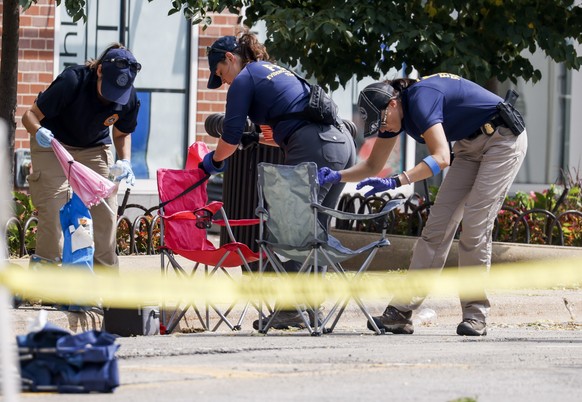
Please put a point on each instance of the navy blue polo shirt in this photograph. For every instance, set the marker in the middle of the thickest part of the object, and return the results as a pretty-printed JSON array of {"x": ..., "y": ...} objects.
[
  {"x": 76, "y": 116},
  {"x": 263, "y": 91},
  {"x": 460, "y": 105}
]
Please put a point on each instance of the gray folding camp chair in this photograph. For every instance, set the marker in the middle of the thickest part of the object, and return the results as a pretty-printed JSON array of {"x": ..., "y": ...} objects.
[{"x": 288, "y": 211}]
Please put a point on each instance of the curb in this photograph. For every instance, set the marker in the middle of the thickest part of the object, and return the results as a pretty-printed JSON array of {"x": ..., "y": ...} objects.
[{"x": 398, "y": 254}]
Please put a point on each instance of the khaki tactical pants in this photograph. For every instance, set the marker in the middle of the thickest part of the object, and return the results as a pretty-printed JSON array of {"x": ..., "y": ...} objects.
[
  {"x": 49, "y": 189},
  {"x": 473, "y": 191}
]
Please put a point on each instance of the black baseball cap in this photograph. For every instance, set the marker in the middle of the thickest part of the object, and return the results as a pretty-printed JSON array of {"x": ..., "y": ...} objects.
[
  {"x": 216, "y": 53},
  {"x": 372, "y": 100}
]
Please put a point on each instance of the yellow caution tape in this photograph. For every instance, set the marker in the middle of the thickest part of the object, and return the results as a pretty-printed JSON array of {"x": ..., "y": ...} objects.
[{"x": 72, "y": 286}]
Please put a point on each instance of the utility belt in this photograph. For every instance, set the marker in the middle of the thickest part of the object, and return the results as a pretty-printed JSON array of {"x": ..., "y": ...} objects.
[
  {"x": 507, "y": 116},
  {"x": 489, "y": 127}
]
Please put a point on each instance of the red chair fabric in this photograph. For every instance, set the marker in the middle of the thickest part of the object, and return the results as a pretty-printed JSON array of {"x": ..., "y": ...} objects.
[
  {"x": 185, "y": 219},
  {"x": 181, "y": 235}
]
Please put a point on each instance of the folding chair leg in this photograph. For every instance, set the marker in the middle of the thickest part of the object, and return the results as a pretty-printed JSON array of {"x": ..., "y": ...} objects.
[
  {"x": 369, "y": 317},
  {"x": 279, "y": 270},
  {"x": 238, "y": 325},
  {"x": 358, "y": 300},
  {"x": 172, "y": 324},
  {"x": 339, "y": 314},
  {"x": 223, "y": 318}
]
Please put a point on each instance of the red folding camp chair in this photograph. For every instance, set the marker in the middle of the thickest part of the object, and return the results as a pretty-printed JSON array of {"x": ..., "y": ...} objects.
[{"x": 185, "y": 218}]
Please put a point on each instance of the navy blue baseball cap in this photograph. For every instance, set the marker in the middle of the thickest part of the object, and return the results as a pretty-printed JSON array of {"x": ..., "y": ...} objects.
[
  {"x": 216, "y": 53},
  {"x": 119, "y": 68}
]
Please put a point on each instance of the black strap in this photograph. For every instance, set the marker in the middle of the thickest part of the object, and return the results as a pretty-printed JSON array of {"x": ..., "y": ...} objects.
[{"x": 192, "y": 187}]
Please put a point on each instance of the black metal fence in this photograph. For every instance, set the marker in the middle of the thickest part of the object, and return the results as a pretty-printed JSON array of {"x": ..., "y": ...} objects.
[
  {"x": 536, "y": 225},
  {"x": 142, "y": 236}
]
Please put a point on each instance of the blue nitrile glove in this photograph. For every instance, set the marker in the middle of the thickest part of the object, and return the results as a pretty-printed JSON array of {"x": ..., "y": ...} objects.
[
  {"x": 326, "y": 175},
  {"x": 210, "y": 166},
  {"x": 44, "y": 137},
  {"x": 378, "y": 184},
  {"x": 122, "y": 170}
]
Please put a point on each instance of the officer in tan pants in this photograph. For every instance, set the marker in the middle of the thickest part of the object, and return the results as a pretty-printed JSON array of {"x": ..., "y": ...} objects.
[
  {"x": 87, "y": 109},
  {"x": 490, "y": 145}
]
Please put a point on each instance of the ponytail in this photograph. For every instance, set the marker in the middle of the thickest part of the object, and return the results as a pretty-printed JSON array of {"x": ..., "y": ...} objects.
[
  {"x": 250, "y": 49},
  {"x": 400, "y": 84}
]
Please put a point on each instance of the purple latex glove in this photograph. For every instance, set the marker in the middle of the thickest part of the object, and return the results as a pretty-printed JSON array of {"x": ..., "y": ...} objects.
[
  {"x": 326, "y": 175},
  {"x": 378, "y": 184}
]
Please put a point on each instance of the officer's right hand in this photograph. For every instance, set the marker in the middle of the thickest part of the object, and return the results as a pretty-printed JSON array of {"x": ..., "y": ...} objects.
[
  {"x": 326, "y": 175},
  {"x": 122, "y": 170},
  {"x": 210, "y": 166},
  {"x": 44, "y": 137}
]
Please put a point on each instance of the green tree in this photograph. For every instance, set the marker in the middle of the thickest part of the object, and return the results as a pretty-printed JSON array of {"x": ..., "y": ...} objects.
[{"x": 334, "y": 40}]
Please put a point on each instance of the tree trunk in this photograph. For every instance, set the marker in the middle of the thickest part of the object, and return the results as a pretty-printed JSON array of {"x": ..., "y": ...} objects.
[{"x": 9, "y": 71}]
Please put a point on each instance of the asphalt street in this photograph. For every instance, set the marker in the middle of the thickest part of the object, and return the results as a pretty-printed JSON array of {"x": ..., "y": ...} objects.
[{"x": 533, "y": 352}]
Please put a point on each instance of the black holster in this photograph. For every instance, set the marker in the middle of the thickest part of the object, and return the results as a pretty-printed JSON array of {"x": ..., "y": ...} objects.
[{"x": 511, "y": 116}]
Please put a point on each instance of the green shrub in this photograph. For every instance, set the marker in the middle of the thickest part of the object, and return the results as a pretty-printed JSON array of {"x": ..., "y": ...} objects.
[{"x": 22, "y": 210}]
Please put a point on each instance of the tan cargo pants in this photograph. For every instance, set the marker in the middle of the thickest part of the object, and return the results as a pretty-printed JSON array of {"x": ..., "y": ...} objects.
[
  {"x": 472, "y": 191},
  {"x": 49, "y": 189}
]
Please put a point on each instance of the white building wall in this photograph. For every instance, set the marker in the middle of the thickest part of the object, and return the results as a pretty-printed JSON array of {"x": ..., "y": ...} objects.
[{"x": 574, "y": 148}]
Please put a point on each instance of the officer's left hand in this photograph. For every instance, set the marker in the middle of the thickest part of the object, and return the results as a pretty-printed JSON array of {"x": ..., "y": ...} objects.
[
  {"x": 123, "y": 170},
  {"x": 210, "y": 166},
  {"x": 326, "y": 175},
  {"x": 378, "y": 184}
]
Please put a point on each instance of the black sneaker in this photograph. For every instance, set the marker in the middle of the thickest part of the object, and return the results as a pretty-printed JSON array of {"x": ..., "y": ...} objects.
[
  {"x": 472, "y": 327},
  {"x": 394, "y": 320},
  {"x": 284, "y": 320}
]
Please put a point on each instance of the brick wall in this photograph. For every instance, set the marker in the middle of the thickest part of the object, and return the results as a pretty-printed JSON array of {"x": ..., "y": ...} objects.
[
  {"x": 211, "y": 100},
  {"x": 36, "y": 53},
  {"x": 35, "y": 60}
]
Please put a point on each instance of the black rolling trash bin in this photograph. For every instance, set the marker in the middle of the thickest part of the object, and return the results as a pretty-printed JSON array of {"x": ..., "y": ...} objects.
[{"x": 239, "y": 182}]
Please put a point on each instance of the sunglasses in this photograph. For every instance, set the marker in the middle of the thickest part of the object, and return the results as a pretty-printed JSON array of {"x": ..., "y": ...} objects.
[{"x": 122, "y": 62}]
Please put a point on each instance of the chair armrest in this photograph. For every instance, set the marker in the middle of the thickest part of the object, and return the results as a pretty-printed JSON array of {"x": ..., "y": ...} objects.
[
  {"x": 213, "y": 207},
  {"x": 390, "y": 205},
  {"x": 237, "y": 222}
]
